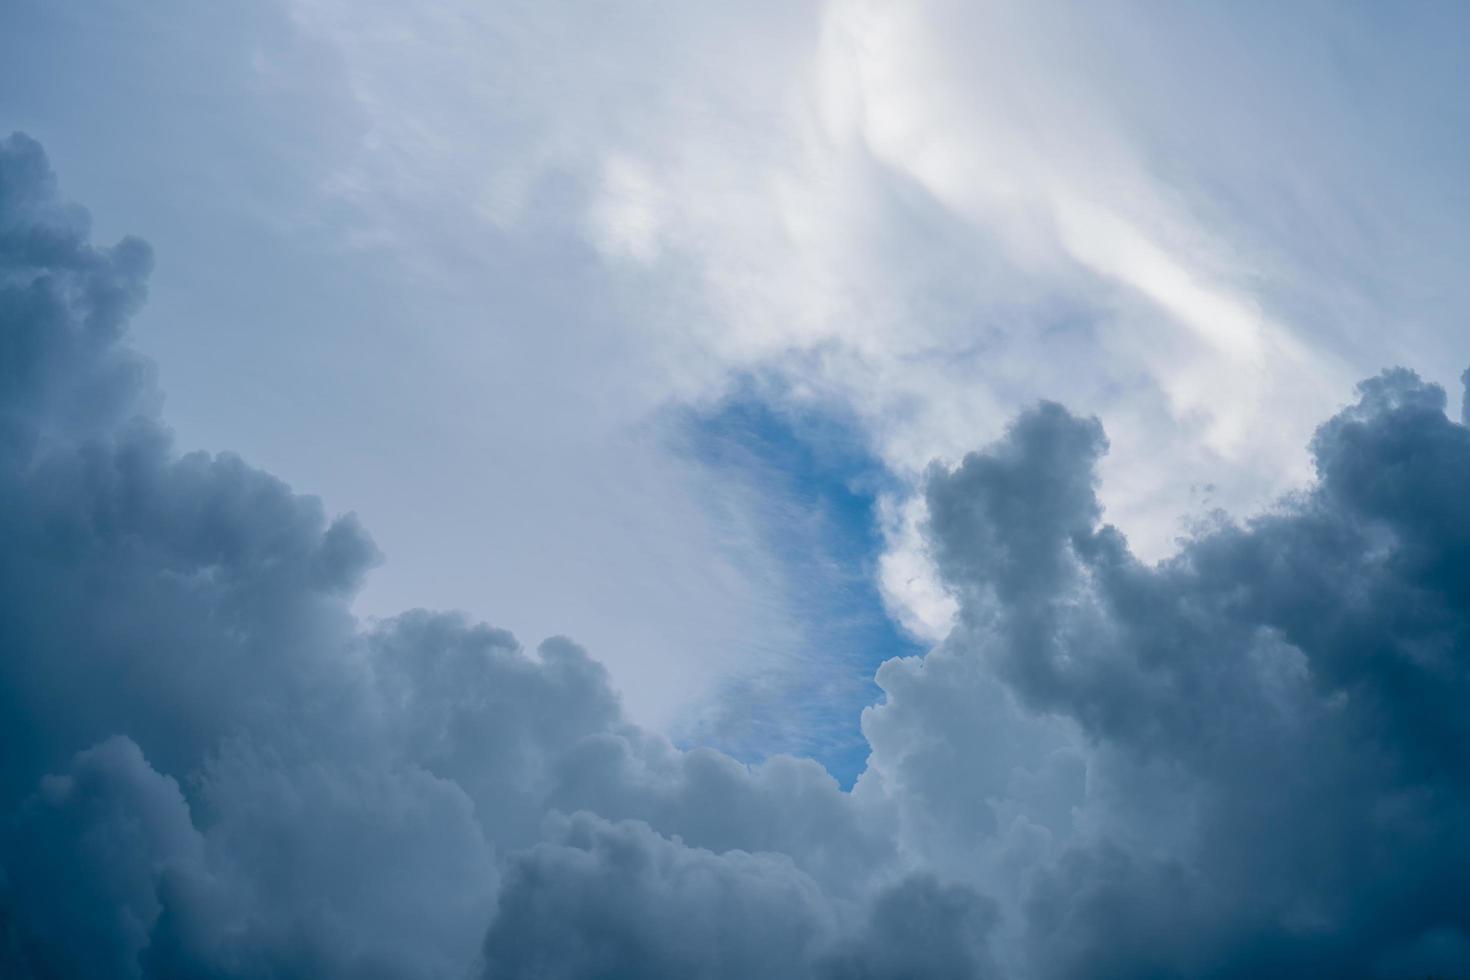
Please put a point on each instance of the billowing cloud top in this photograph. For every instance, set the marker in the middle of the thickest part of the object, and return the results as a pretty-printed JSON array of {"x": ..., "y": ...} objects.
[{"x": 1249, "y": 760}]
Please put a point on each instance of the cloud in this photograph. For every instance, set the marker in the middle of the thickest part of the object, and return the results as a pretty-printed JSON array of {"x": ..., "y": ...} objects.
[
  {"x": 294, "y": 796},
  {"x": 1247, "y": 760},
  {"x": 619, "y": 900},
  {"x": 85, "y": 852},
  {"x": 924, "y": 215},
  {"x": 1281, "y": 694}
]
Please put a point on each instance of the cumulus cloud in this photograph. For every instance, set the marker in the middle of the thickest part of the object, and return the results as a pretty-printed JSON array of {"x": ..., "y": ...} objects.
[
  {"x": 1282, "y": 694},
  {"x": 209, "y": 769},
  {"x": 1248, "y": 760}
]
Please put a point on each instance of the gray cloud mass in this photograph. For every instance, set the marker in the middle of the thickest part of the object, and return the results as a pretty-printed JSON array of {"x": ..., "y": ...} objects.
[{"x": 1249, "y": 760}]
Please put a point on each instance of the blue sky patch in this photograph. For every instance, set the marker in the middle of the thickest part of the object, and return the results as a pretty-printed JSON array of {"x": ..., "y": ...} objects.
[{"x": 805, "y": 485}]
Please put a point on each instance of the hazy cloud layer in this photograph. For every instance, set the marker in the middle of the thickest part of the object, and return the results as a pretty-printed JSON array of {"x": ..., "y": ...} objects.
[
  {"x": 509, "y": 247},
  {"x": 1246, "y": 761}
]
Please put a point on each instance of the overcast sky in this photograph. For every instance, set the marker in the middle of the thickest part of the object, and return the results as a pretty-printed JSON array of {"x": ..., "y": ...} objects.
[
  {"x": 479, "y": 271},
  {"x": 668, "y": 327}
]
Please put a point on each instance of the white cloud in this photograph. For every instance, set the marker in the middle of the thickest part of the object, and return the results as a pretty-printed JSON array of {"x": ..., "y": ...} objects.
[{"x": 928, "y": 213}]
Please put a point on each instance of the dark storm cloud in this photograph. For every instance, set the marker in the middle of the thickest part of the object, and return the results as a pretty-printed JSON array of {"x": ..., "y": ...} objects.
[
  {"x": 605, "y": 900},
  {"x": 208, "y": 770},
  {"x": 1293, "y": 689},
  {"x": 1247, "y": 761}
]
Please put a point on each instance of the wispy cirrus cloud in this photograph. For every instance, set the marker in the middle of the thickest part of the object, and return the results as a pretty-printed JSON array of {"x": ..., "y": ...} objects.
[{"x": 924, "y": 215}]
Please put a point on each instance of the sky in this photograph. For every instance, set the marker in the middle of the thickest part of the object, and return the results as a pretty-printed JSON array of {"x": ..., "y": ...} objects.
[{"x": 815, "y": 489}]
